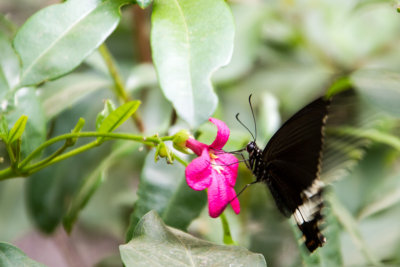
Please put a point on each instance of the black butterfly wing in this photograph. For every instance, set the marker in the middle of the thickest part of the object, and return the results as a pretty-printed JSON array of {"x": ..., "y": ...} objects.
[
  {"x": 292, "y": 158},
  {"x": 294, "y": 151}
]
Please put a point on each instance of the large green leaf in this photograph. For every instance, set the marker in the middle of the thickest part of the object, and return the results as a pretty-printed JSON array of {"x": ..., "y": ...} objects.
[
  {"x": 155, "y": 244},
  {"x": 9, "y": 66},
  {"x": 191, "y": 39},
  {"x": 163, "y": 188},
  {"x": 11, "y": 256},
  {"x": 58, "y": 38}
]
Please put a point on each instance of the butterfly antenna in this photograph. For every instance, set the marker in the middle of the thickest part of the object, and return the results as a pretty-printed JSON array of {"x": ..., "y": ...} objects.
[
  {"x": 241, "y": 191},
  {"x": 254, "y": 117},
  {"x": 237, "y": 118}
]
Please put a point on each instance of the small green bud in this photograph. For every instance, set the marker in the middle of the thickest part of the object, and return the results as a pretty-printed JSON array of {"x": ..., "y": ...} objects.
[
  {"x": 163, "y": 152},
  {"x": 179, "y": 141}
]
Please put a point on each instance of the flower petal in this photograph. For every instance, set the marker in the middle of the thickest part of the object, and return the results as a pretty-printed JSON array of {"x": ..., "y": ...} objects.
[
  {"x": 229, "y": 164},
  {"x": 217, "y": 196},
  {"x": 222, "y": 134},
  {"x": 235, "y": 202},
  {"x": 198, "y": 172},
  {"x": 220, "y": 194},
  {"x": 196, "y": 146}
]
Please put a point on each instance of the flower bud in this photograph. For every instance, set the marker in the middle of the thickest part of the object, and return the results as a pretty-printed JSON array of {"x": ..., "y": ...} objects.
[{"x": 179, "y": 141}]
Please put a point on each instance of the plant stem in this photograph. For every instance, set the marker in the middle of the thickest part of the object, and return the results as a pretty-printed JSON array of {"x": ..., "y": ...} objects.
[
  {"x": 44, "y": 163},
  {"x": 118, "y": 84},
  {"x": 23, "y": 169},
  {"x": 228, "y": 240},
  {"x": 183, "y": 162}
]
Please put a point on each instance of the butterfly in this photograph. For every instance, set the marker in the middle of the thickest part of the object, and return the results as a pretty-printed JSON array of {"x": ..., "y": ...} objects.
[{"x": 290, "y": 166}]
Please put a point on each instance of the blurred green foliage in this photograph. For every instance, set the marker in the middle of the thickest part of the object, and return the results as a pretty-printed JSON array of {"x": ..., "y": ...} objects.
[{"x": 286, "y": 53}]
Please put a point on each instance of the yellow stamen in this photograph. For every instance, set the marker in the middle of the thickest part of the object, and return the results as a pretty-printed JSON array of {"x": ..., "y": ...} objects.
[{"x": 214, "y": 164}]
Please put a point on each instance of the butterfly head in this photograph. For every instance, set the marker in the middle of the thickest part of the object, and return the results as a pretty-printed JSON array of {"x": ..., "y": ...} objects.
[{"x": 251, "y": 147}]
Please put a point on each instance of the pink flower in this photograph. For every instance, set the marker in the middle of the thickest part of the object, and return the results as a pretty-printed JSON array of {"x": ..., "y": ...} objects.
[{"x": 215, "y": 171}]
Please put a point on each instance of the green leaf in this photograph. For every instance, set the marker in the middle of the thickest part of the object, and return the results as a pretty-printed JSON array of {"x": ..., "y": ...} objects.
[
  {"x": 380, "y": 87},
  {"x": 108, "y": 108},
  {"x": 163, "y": 188},
  {"x": 191, "y": 39},
  {"x": 69, "y": 32},
  {"x": 3, "y": 128},
  {"x": 155, "y": 244},
  {"x": 144, "y": 3},
  {"x": 118, "y": 116},
  {"x": 27, "y": 103},
  {"x": 9, "y": 66},
  {"x": 18, "y": 129},
  {"x": 11, "y": 256}
]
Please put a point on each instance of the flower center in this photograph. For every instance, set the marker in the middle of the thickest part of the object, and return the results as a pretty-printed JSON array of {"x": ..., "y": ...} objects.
[{"x": 214, "y": 164}]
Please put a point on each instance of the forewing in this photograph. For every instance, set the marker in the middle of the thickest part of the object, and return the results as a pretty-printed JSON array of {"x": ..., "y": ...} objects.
[{"x": 296, "y": 147}]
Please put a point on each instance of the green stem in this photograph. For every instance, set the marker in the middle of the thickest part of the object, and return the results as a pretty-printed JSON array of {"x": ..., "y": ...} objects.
[
  {"x": 44, "y": 163},
  {"x": 183, "y": 162},
  {"x": 112, "y": 68},
  {"x": 23, "y": 169},
  {"x": 49, "y": 158},
  {"x": 11, "y": 154},
  {"x": 228, "y": 240},
  {"x": 137, "y": 138},
  {"x": 118, "y": 84}
]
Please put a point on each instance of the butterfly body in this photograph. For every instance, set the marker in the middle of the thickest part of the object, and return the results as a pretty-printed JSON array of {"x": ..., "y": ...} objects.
[{"x": 290, "y": 166}]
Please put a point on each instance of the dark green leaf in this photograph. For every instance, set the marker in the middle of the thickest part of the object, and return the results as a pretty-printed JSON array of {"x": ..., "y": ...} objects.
[
  {"x": 18, "y": 129},
  {"x": 50, "y": 190},
  {"x": 69, "y": 32},
  {"x": 163, "y": 188},
  {"x": 155, "y": 244},
  {"x": 11, "y": 256},
  {"x": 191, "y": 39},
  {"x": 118, "y": 116},
  {"x": 89, "y": 187}
]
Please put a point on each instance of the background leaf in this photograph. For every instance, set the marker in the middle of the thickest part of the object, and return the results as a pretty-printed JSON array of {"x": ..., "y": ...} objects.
[
  {"x": 69, "y": 32},
  {"x": 62, "y": 94},
  {"x": 9, "y": 66},
  {"x": 379, "y": 87},
  {"x": 11, "y": 256},
  {"x": 190, "y": 40},
  {"x": 155, "y": 244}
]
